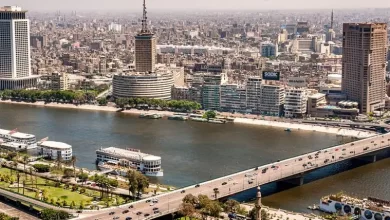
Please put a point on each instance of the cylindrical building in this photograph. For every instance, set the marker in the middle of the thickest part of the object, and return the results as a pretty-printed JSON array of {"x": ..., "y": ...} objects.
[{"x": 139, "y": 85}]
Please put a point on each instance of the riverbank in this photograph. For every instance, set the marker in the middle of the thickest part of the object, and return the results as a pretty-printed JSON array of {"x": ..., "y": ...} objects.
[
  {"x": 308, "y": 127},
  {"x": 87, "y": 107},
  {"x": 290, "y": 125}
]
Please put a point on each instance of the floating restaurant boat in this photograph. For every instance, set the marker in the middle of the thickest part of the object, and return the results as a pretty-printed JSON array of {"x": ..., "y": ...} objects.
[
  {"x": 120, "y": 160},
  {"x": 368, "y": 209},
  {"x": 14, "y": 137},
  {"x": 217, "y": 121},
  {"x": 178, "y": 117},
  {"x": 150, "y": 116},
  {"x": 199, "y": 119}
]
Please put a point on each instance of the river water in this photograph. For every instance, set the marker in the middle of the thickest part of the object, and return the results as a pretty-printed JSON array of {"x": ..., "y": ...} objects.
[{"x": 193, "y": 152}]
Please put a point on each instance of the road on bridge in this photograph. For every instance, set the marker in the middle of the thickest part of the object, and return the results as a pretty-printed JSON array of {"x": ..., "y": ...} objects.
[{"x": 235, "y": 183}]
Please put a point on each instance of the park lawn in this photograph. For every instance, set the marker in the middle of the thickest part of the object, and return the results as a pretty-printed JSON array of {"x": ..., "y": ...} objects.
[{"x": 52, "y": 192}]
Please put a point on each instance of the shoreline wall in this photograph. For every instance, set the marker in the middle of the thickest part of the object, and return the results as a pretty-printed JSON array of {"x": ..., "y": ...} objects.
[{"x": 308, "y": 127}]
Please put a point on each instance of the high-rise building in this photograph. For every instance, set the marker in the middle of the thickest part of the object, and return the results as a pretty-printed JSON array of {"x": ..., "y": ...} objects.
[
  {"x": 233, "y": 98},
  {"x": 268, "y": 49},
  {"x": 15, "y": 65},
  {"x": 364, "y": 64},
  {"x": 145, "y": 47},
  {"x": 295, "y": 103},
  {"x": 59, "y": 81},
  {"x": 271, "y": 100},
  {"x": 253, "y": 93}
]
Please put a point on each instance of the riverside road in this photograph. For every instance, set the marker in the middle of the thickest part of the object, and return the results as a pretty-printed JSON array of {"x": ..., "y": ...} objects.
[{"x": 292, "y": 168}]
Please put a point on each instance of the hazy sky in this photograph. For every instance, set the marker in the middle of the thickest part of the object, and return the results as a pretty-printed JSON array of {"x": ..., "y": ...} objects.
[{"x": 39, "y": 5}]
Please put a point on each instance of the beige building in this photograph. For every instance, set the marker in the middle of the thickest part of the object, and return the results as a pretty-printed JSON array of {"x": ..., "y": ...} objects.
[
  {"x": 59, "y": 81},
  {"x": 364, "y": 64}
]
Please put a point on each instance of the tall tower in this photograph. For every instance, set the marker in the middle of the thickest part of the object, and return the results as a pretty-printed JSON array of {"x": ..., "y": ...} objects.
[
  {"x": 330, "y": 35},
  {"x": 15, "y": 61},
  {"x": 364, "y": 64},
  {"x": 258, "y": 204},
  {"x": 145, "y": 47}
]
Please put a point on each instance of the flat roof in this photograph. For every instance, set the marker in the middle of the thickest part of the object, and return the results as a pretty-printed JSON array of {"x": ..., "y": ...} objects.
[
  {"x": 54, "y": 144},
  {"x": 17, "y": 134},
  {"x": 129, "y": 154}
]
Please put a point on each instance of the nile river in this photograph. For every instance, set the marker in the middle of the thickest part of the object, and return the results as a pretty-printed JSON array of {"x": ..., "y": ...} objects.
[{"x": 193, "y": 152}]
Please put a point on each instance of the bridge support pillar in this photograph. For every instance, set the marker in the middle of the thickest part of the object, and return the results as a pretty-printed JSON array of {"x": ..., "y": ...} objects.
[
  {"x": 297, "y": 180},
  {"x": 368, "y": 158}
]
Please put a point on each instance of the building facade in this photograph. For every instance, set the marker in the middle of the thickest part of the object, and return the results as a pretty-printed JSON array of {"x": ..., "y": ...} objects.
[
  {"x": 272, "y": 100},
  {"x": 253, "y": 93},
  {"x": 295, "y": 105},
  {"x": 15, "y": 68},
  {"x": 233, "y": 98},
  {"x": 152, "y": 86},
  {"x": 59, "y": 81},
  {"x": 269, "y": 49},
  {"x": 364, "y": 64},
  {"x": 145, "y": 52}
]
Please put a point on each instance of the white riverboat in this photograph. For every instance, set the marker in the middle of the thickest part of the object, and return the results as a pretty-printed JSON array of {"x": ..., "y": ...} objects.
[
  {"x": 119, "y": 160},
  {"x": 368, "y": 209},
  {"x": 14, "y": 137}
]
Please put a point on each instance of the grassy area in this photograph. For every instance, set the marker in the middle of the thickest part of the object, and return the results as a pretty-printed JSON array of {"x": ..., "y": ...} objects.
[{"x": 52, "y": 193}]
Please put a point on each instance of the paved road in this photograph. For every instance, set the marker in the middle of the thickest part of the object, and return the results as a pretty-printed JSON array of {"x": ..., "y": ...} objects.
[{"x": 228, "y": 185}]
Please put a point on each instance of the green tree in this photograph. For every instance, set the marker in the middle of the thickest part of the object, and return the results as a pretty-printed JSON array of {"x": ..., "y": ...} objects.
[
  {"x": 50, "y": 214},
  {"x": 102, "y": 101},
  {"x": 209, "y": 115}
]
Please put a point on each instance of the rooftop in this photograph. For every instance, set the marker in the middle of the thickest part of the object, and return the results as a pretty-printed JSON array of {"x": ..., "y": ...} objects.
[
  {"x": 16, "y": 135},
  {"x": 128, "y": 153},
  {"x": 54, "y": 144}
]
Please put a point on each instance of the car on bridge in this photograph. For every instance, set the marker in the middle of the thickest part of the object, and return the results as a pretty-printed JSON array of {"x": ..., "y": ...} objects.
[
  {"x": 138, "y": 213},
  {"x": 224, "y": 183},
  {"x": 366, "y": 148},
  {"x": 129, "y": 218},
  {"x": 197, "y": 185}
]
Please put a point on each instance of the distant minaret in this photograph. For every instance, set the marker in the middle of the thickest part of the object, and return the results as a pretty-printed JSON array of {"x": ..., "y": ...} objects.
[
  {"x": 258, "y": 204},
  {"x": 331, "y": 21}
]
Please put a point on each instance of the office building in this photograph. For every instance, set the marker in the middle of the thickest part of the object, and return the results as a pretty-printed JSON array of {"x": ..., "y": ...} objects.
[
  {"x": 253, "y": 93},
  {"x": 145, "y": 47},
  {"x": 15, "y": 65},
  {"x": 143, "y": 85},
  {"x": 295, "y": 105},
  {"x": 59, "y": 81},
  {"x": 272, "y": 100},
  {"x": 268, "y": 49},
  {"x": 364, "y": 64},
  {"x": 211, "y": 90},
  {"x": 233, "y": 98}
]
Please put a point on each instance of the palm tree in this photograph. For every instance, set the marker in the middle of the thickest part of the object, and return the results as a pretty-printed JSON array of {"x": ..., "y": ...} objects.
[
  {"x": 73, "y": 161},
  {"x": 18, "y": 179},
  {"x": 25, "y": 159}
]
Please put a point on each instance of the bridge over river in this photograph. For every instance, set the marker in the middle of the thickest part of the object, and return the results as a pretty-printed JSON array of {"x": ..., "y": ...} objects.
[{"x": 290, "y": 171}]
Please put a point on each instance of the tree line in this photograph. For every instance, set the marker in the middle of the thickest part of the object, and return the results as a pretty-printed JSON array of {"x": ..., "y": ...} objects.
[
  {"x": 68, "y": 96},
  {"x": 157, "y": 103}
]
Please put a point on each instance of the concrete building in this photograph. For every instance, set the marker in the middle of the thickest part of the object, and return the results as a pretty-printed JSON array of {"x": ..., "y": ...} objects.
[
  {"x": 59, "y": 81},
  {"x": 253, "y": 94},
  {"x": 272, "y": 100},
  {"x": 268, "y": 49},
  {"x": 233, "y": 98},
  {"x": 364, "y": 64},
  {"x": 15, "y": 61},
  {"x": 314, "y": 101},
  {"x": 143, "y": 85},
  {"x": 295, "y": 103},
  {"x": 180, "y": 93},
  {"x": 211, "y": 90}
]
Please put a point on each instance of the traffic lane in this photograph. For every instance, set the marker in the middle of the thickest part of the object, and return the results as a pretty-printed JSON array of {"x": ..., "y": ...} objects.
[{"x": 322, "y": 155}]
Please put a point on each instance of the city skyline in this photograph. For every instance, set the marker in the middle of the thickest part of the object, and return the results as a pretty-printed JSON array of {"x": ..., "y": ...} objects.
[{"x": 120, "y": 5}]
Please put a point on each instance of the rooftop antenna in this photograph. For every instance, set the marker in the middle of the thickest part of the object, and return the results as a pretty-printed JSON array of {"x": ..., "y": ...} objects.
[
  {"x": 331, "y": 21},
  {"x": 144, "y": 20}
]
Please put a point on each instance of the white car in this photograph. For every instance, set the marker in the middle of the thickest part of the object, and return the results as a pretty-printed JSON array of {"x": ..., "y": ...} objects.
[{"x": 151, "y": 204}]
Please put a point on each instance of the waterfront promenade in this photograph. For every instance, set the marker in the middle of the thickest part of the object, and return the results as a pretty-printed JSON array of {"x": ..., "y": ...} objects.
[{"x": 290, "y": 170}]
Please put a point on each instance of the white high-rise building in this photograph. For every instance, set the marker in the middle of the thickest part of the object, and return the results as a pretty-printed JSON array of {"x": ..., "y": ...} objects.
[
  {"x": 15, "y": 64},
  {"x": 296, "y": 102}
]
